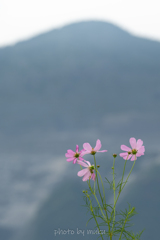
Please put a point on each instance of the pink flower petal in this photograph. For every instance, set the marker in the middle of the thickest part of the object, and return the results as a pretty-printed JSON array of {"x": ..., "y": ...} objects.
[
  {"x": 70, "y": 159},
  {"x": 93, "y": 176},
  {"x": 133, "y": 158},
  {"x": 127, "y": 157},
  {"x": 77, "y": 148},
  {"x": 139, "y": 144},
  {"x": 142, "y": 153},
  {"x": 133, "y": 143},
  {"x": 87, "y": 147},
  {"x": 69, "y": 155},
  {"x": 124, "y": 154},
  {"x": 82, "y": 172},
  {"x": 102, "y": 151},
  {"x": 141, "y": 150},
  {"x": 98, "y": 145},
  {"x": 82, "y": 152},
  {"x": 139, "y": 154},
  {"x": 80, "y": 158},
  {"x": 86, "y": 176},
  {"x": 70, "y": 151},
  {"x": 74, "y": 161},
  {"x": 125, "y": 148},
  {"x": 86, "y": 152},
  {"x": 89, "y": 164},
  {"x": 82, "y": 163}
]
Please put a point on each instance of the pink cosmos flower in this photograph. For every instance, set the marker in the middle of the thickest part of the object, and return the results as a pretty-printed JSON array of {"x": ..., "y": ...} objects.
[
  {"x": 74, "y": 156},
  {"x": 136, "y": 151},
  {"x": 88, "y": 149},
  {"x": 87, "y": 172}
]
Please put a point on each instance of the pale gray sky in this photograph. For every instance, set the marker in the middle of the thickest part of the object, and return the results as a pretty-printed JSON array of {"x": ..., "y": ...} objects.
[{"x": 22, "y": 19}]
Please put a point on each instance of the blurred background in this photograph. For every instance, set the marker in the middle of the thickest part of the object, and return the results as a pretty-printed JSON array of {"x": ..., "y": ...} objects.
[{"x": 74, "y": 72}]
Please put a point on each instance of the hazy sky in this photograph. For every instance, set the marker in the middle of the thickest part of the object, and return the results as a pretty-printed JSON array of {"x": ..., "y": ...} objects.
[{"x": 22, "y": 19}]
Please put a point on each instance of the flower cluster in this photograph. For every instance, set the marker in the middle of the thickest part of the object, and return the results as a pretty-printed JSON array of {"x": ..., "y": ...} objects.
[
  {"x": 107, "y": 214},
  {"x": 88, "y": 172}
]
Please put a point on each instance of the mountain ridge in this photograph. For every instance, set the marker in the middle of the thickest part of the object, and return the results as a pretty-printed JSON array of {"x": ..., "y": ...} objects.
[{"x": 45, "y": 83}]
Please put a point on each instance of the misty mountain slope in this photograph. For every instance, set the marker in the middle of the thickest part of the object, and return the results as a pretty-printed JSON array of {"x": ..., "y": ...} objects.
[
  {"x": 92, "y": 65},
  {"x": 89, "y": 75}
]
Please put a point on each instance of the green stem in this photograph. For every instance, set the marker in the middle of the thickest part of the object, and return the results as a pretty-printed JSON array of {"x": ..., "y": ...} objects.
[
  {"x": 123, "y": 174},
  {"x": 97, "y": 179},
  {"x": 125, "y": 222},
  {"x": 114, "y": 190},
  {"x": 94, "y": 187},
  {"x": 91, "y": 208},
  {"x": 124, "y": 184},
  {"x": 129, "y": 174},
  {"x": 97, "y": 201},
  {"x": 104, "y": 200},
  {"x": 102, "y": 186},
  {"x": 120, "y": 189}
]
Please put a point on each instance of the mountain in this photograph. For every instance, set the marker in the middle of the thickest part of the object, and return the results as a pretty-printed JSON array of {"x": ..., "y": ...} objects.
[
  {"x": 74, "y": 64},
  {"x": 75, "y": 84}
]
